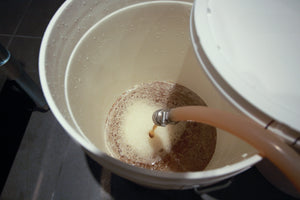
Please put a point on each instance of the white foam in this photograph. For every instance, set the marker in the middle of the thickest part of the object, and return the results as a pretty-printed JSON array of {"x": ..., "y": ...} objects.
[{"x": 136, "y": 126}]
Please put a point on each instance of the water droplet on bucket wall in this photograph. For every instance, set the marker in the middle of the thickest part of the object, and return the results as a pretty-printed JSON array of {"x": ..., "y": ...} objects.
[{"x": 208, "y": 11}]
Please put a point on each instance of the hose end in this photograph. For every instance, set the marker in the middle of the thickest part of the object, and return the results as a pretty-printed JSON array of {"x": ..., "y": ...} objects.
[{"x": 161, "y": 117}]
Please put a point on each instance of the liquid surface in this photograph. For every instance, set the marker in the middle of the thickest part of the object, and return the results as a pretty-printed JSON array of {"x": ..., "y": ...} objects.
[{"x": 186, "y": 146}]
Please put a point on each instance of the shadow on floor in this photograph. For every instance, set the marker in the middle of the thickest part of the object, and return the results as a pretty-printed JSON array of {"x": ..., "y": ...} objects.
[{"x": 15, "y": 111}]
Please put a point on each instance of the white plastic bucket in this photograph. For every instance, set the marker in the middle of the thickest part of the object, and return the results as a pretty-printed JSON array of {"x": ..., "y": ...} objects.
[{"x": 93, "y": 51}]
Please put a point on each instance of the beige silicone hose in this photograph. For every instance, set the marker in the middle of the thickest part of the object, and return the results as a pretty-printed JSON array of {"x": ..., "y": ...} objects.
[{"x": 268, "y": 145}]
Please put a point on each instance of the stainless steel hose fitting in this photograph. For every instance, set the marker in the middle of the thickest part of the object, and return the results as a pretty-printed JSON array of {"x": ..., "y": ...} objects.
[{"x": 161, "y": 117}]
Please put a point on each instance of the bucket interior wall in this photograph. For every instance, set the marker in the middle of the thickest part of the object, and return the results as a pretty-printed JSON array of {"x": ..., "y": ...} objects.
[
  {"x": 143, "y": 43},
  {"x": 71, "y": 21}
]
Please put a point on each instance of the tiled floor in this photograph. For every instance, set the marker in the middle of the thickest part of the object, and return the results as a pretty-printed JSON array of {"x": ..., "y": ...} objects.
[{"x": 22, "y": 25}]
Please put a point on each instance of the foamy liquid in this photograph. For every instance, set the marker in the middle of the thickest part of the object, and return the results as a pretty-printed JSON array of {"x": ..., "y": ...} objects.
[
  {"x": 136, "y": 126},
  {"x": 130, "y": 120}
]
